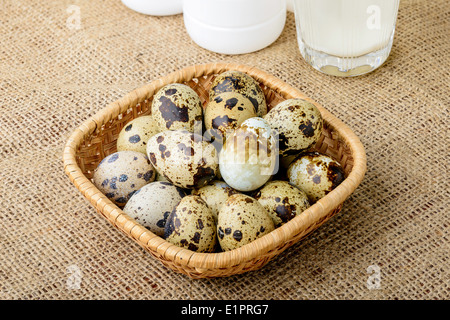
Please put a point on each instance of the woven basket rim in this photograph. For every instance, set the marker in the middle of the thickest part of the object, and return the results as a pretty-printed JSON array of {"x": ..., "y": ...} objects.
[{"x": 185, "y": 257}]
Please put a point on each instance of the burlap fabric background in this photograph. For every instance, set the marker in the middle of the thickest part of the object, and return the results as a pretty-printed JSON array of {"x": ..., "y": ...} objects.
[{"x": 53, "y": 244}]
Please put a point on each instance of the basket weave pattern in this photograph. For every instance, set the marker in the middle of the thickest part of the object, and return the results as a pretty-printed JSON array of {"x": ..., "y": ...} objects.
[{"x": 96, "y": 138}]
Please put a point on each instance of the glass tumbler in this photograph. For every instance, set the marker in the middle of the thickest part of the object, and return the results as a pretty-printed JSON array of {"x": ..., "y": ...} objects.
[{"x": 345, "y": 37}]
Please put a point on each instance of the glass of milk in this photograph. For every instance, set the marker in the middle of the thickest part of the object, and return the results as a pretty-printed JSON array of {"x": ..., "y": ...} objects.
[{"x": 345, "y": 37}]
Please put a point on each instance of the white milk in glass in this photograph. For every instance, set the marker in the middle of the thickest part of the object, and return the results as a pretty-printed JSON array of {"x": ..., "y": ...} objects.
[{"x": 345, "y": 37}]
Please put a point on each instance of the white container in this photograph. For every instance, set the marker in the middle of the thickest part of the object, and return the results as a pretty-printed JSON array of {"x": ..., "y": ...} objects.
[
  {"x": 155, "y": 7},
  {"x": 234, "y": 26}
]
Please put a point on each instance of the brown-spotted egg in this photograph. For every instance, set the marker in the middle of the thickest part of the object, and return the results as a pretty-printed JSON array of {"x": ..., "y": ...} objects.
[
  {"x": 191, "y": 225},
  {"x": 298, "y": 123},
  {"x": 242, "y": 219},
  {"x": 135, "y": 134},
  {"x": 226, "y": 111},
  {"x": 177, "y": 106},
  {"x": 183, "y": 158},
  {"x": 215, "y": 194},
  {"x": 282, "y": 200},
  {"x": 153, "y": 203},
  {"x": 316, "y": 174},
  {"x": 121, "y": 174},
  {"x": 240, "y": 82}
]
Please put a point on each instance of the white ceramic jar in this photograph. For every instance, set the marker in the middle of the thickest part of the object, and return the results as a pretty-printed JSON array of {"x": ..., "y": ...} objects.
[
  {"x": 234, "y": 26},
  {"x": 155, "y": 7}
]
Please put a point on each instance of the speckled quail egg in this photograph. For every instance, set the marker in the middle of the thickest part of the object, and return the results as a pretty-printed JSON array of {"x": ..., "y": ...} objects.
[
  {"x": 249, "y": 156},
  {"x": 177, "y": 106},
  {"x": 183, "y": 158},
  {"x": 191, "y": 225},
  {"x": 240, "y": 82},
  {"x": 242, "y": 219},
  {"x": 134, "y": 134},
  {"x": 121, "y": 174},
  {"x": 316, "y": 174},
  {"x": 282, "y": 200},
  {"x": 227, "y": 111},
  {"x": 152, "y": 204},
  {"x": 298, "y": 123},
  {"x": 215, "y": 194}
]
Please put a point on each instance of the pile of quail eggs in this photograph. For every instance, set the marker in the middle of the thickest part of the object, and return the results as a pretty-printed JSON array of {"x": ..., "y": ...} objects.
[{"x": 216, "y": 178}]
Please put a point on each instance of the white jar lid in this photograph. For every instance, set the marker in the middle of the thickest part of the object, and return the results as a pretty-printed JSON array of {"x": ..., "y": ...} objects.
[
  {"x": 233, "y": 13},
  {"x": 235, "y": 40},
  {"x": 155, "y": 7}
]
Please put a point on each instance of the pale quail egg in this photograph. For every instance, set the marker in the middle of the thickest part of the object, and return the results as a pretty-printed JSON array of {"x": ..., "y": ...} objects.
[
  {"x": 177, "y": 106},
  {"x": 183, "y": 158},
  {"x": 135, "y": 134},
  {"x": 152, "y": 204},
  {"x": 298, "y": 123},
  {"x": 282, "y": 200},
  {"x": 191, "y": 225},
  {"x": 240, "y": 82},
  {"x": 215, "y": 194},
  {"x": 226, "y": 111},
  {"x": 249, "y": 156},
  {"x": 261, "y": 128},
  {"x": 316, "y": 174},
  {"x": 121, "y": 174},
  {"x": 242, "y": 219}
]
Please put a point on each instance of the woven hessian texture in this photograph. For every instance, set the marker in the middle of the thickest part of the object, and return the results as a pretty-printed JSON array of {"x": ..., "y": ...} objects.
[{"x": 55, "y": 74}]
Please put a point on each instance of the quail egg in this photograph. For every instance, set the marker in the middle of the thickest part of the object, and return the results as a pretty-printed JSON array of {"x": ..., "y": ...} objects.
[
  {"x": 316, "y": 174},
  {"x": 183, "y": 158},
  {"x": 298, "y": 123},
  {"x": 249, "y": 156},
  {"x": 240, "y": 82},
  {"x": 135, "y": 134},
  {"x": 152, "y": 204},
  {"x": 282, "y": 200},
  {"x": 215, "y": 194},
  {"x": 121, "y": 174},
  {"x": 227, "y": 111},
  {"x": 242, "y": 219},
  {"x": 191, "y": 225},
  {"x": 177, "y": 106}
]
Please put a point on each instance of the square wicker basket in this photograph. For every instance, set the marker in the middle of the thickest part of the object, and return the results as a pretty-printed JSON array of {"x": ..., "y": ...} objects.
[{"x": 96, "y": 138}]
